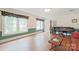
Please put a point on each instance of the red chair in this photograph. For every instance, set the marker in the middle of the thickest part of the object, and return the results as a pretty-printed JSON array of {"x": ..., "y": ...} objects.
[
  {"x": 75, "y": 41},
  {"x": 53, "y": 43}
]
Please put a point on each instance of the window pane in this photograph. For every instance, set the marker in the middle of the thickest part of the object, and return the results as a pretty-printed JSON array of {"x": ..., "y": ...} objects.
[
  {"x": 23, "y": 25},
  {"x": 40, "y": 25}
]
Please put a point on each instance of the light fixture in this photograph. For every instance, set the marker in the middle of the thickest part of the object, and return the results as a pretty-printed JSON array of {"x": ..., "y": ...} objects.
[{"x": 47, "y": 10}]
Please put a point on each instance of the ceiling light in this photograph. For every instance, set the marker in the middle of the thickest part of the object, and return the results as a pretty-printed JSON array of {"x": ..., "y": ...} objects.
[{"x": 47, "y": 10}]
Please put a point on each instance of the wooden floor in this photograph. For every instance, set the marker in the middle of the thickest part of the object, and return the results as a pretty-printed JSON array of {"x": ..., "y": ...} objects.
[{"x": 38, "y": 42}]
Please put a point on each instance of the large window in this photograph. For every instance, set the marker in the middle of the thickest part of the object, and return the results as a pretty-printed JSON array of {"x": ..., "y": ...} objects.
[
  {"x": 13, "y": 24},
  {"x": 9, "y": 25},
  {"x": 40, "y": 25}
]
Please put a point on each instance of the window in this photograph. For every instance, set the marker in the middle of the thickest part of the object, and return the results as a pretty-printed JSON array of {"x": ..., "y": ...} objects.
[
  {"x": 40, "y": 25},
  {"x": 13, "y": 24},
  {"x": 22, "y": 25},
  {"x": 9, "y": 25}
]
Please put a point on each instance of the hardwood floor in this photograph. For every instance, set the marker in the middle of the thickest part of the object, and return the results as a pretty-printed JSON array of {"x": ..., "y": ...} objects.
[{"x": 38, "y": 42}]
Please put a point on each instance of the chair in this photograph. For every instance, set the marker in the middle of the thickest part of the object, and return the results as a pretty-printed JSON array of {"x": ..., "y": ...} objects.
[
  {"x": 55, "y": 41},
  {"x": 75, "y": 41}
]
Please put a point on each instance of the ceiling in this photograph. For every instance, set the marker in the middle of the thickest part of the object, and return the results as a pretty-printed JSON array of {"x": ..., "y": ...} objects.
[{"x": 54, "y": 11}]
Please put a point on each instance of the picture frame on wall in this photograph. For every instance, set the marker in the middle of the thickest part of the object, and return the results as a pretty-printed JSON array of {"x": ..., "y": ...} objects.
[{"x": 74, "y": 20}]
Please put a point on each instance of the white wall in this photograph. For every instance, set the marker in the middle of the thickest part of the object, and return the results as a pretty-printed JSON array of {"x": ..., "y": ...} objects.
[
  {"x": 0, "y": 22},
  {"x": 47, "y": 25},
  {"x": 47, "y": 28},
  {"x": 66, "y": 20}
]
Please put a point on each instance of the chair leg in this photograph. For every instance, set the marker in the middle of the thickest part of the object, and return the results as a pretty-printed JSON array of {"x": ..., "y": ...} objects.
[{"x": 52, "y": 47}]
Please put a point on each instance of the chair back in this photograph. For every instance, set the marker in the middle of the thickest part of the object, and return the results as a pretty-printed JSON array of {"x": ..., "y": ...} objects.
[{"x": 75, "y": 35}]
